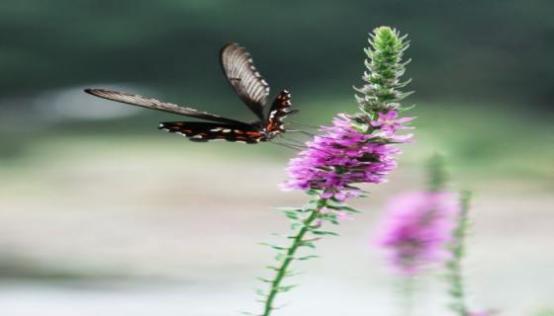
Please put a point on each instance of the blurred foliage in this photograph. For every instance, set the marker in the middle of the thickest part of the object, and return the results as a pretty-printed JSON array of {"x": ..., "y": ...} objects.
[
  {"x": 482, "y": 70},
  {"x": 468, "y": 50},
  {"x": 17, "y": 268},
  {"x": 546, "y": 312}
]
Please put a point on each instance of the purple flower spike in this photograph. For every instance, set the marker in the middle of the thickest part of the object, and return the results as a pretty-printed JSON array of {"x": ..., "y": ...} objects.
[
  {"x": 417, "y": 228},
  {"x": 344, "y": 155},
  {"x": 389, "y": 122}
]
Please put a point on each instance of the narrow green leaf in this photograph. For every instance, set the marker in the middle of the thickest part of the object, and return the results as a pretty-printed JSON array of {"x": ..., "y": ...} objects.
[
  {"x": 286, "y": 288},
  {"x": 323, "y": 233}
]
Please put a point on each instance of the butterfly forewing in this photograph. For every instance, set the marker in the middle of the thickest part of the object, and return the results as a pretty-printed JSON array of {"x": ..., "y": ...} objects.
[
  {"x": 247, "y": 82},
  {"x": 151, "y": 103}
]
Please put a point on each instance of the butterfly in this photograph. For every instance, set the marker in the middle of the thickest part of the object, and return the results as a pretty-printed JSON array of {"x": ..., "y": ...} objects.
[{"x": 249, "y": 85}]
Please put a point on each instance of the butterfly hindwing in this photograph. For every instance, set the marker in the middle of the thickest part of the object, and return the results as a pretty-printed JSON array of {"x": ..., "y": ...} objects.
[
  {"x": 247, "y": 82},
  {"x": 151, "y": 103},
  {"x": 280, "y": 108},
  {"x": 203, "y": 132}
]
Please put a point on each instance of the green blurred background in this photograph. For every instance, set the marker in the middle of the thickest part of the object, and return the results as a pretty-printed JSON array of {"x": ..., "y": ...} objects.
[
  {"x": 93, "y": 196},
  {"x": 487, "y": 64}
]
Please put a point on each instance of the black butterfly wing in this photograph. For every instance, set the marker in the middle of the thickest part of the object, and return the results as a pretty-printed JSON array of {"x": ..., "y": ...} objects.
[
  {"x": 280, "y": 108},
  {"x": 203, "y": 131},
  {"x": 151, "y": 103},
  {"x": 247, "y": 82}
]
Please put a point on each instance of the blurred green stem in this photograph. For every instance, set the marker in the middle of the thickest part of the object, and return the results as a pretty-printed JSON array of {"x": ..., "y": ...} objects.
[
  {"x": 454, "y": 265},
  {"x": 408, "y": 295},
  {"x": 437, "y": 176}
]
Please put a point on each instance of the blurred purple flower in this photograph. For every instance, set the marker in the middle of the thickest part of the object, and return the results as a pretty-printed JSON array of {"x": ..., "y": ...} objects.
[
  {"x": 344, "y": 155},
  {"x": 416, "y": 229}
]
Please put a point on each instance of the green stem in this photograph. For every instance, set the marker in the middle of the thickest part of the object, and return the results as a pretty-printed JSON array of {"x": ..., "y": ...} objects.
[
  {"x": 436, "y": 173},
  {"x": 297, "y": 242},
  {"x": 455, "y": 274},
  {"x": 408, "y": 293}
]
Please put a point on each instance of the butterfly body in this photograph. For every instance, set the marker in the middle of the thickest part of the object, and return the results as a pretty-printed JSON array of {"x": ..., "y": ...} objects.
[{"x": 249, "y": 85}]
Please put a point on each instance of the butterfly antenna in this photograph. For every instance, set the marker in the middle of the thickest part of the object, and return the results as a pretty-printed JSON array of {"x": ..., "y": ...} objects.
[
  {"x": 304, "y": 146},
  {"x": 300, "y": 145},
  {"x": 304, "y": 124},
  {"x": 301, "y": 132},
  {"x": 289, "y": 146},
  {"x": 293, "y": 141},
  {"x": 296, "y": 146}
]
